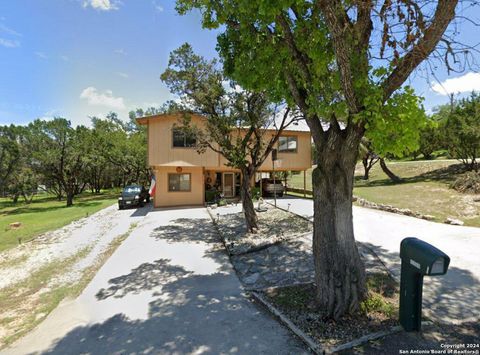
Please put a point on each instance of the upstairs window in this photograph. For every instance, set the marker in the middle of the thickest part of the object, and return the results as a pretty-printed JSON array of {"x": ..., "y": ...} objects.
[
  {"x": 287, "y": 144},
  {"x": 182, "y": 139}
]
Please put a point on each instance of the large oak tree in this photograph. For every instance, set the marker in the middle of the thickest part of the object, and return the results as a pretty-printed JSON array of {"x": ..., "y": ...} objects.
[{"x": 328, "y": 58}]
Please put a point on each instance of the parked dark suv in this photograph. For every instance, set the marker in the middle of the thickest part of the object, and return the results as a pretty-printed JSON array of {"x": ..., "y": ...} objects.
[{"x": 133, "y": 195}]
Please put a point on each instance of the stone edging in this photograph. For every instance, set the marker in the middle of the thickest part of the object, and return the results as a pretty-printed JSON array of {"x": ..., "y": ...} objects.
[
  {"x": 388, "y": 208},
  {"x": 317, "y": 348}
]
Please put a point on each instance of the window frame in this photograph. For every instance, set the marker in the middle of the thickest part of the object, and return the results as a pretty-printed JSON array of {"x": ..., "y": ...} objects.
[
  {"x": 189, "y": 180},
  {"x": 288, "y": 151},
  {"x": 176, "y": 129}
]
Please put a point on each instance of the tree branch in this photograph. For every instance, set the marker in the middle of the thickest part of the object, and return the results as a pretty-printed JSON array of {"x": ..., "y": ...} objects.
[{"x": 444, "y": 13}]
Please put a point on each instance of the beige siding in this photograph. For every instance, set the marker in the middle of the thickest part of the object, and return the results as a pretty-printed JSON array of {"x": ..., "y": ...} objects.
[
  {"x": 162, "y": 153},
  {"x": 164, "y": 198},
  {"x": 301, "y": 160}
]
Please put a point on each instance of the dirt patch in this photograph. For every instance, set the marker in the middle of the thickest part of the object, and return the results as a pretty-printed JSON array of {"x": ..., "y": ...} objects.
[{"x": 378, "y": 313}]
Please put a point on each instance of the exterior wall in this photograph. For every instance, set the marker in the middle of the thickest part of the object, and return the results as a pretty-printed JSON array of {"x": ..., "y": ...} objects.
[
  {"x": 160, "y": 145},
  {"x": 301, "y": 160},
  {"x": 164, "y": 198},
  {"x": 162, "y": 153}
]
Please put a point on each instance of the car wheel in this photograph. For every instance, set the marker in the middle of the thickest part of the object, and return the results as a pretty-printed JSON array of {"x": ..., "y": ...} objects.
[
  {"x": 280, "y": 194},
  {"x": 148, "y": 199},
  {"x": 120, "y": 207}
]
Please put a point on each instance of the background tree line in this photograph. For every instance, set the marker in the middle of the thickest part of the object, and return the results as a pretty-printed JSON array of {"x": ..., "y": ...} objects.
[
  {"x": 67, "y": 160},
  {"x": 452, "y": 130}
]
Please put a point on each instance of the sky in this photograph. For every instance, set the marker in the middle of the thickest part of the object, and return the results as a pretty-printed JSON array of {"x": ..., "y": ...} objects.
[{"x": 81, "y": 58}]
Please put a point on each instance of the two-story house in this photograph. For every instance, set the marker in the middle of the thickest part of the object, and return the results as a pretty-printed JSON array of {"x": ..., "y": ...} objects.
[{"x": 182, "y": 174}]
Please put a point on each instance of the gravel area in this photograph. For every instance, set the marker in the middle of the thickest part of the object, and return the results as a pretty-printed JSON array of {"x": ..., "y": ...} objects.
[
  {"x": 278, "y": 263},
  {"x": 36, "y": 275},
  {"x": 275, "y": 226},
  {"x": 280, "y": 254},
  {"x": 94, "y": 232}
]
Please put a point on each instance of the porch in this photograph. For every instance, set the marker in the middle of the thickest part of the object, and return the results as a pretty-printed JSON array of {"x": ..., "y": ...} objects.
[{"x": 221, "y": 184}]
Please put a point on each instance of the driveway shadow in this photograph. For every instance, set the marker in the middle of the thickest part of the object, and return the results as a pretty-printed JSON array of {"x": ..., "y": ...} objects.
[
  {"x": 192, "y": 314},
  {"x": 452, "y": 297},
  {"x": 142, "y": 211}
]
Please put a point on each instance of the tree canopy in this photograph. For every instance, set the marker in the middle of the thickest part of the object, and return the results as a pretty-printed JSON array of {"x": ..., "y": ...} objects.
[
  {"x": 341, "y": 62},
  {"x": 235, "y": 120}
]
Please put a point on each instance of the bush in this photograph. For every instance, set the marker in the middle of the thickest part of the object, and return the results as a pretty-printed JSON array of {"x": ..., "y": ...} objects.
[
  {"x": 468, "y": 182},
  {"x": 255, "y": 193}
]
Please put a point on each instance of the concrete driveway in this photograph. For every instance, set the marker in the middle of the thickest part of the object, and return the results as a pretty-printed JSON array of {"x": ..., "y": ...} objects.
[
  {"x": 168, "y": 289},
  {"x": 450, "y": 298}
]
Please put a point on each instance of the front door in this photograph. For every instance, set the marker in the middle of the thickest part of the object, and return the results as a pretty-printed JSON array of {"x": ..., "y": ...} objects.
[{"x": 228, "y": 184}]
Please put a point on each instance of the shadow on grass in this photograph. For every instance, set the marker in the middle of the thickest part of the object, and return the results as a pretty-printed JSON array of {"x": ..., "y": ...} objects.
[
  {"x": 79, "y": 202},
  {"x": 444, "y": 175}
]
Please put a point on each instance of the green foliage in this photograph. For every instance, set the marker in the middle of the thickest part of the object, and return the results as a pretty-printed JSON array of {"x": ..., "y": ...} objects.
[
  {"x": 210, "y": 195},
  {"x": 255, "y": 191},
  {"x": 395, "y": 128},
  {"x": 430, "y": 139},
  {"x": 462, "y": 130},
  {"x": 256, "y": 50},
  {"x": 235, "y": 119},
  {"x": 376, "y": 303},
  {"x": 68, "y": 159},
  {"x": 10, "y": 152}
]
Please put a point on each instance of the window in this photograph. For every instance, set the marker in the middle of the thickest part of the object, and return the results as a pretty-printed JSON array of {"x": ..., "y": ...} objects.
[
  {"x": 178, "y": 182},
  {"x": 182, "y": 139},
  {"x": 287, "y": 144}
]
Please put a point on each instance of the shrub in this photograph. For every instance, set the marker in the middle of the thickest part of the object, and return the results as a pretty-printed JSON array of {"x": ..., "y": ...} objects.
[
  {"x": 255, "y": 193},
  {"x": 468, "y": 182}
]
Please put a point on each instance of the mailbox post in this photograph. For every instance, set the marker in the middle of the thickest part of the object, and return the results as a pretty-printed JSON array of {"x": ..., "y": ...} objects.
[{"x": 419, "y": 259}]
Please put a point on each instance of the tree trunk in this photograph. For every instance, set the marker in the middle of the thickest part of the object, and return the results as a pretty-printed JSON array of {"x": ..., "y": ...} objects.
[
  {"x": 339, "y": 271},
  {"x": 366, "y": 168},
  {"x": 388, "y": 172},
  {"x": 247, "y": 202},
  {"x": 69, "y": 198}
]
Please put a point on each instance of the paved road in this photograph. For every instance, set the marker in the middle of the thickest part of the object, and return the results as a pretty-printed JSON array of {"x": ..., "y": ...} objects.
[
  {"x": 454, "y": 297},
  {"x": 168, "y": 289}
]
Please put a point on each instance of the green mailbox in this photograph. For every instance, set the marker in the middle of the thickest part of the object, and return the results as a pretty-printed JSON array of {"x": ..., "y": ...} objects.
[{"x": 418, "y": 259}]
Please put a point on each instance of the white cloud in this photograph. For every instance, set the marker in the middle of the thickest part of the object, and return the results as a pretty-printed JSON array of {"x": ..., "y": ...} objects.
[
  {"x": 9, "y": 43},
  {"x": 157, "y": 7},
  {"x": 123, "y": 75},
  {"x": 120, "y": 51},
  {"x": 102, "y": 5},
  {"x": 64, "y": 58},
  {"x": 466, "y": 83},
  {"x": 106, "y": 98},
  {"x": 41, "y": 55},
  {"x": 4, "y": 28}
]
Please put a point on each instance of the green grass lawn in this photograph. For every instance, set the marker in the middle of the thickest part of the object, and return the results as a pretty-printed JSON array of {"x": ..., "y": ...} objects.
[
  {"x": 46, "y": 213},
  {"x": 425, "y": 189}
]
